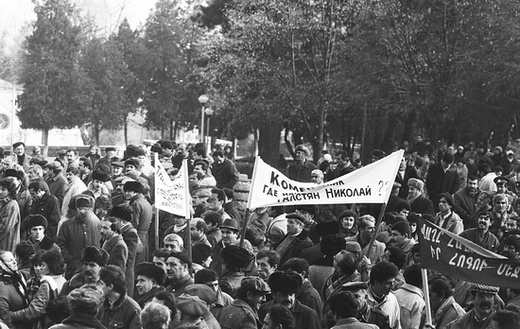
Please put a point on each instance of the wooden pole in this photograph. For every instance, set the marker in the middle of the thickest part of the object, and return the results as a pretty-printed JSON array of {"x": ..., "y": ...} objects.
[
  {"x": 157, "y": 242},
  {"x": 244, "y": 228},
  {"x": 426, "y": 291},
  {"x": 378, "y": 226}
]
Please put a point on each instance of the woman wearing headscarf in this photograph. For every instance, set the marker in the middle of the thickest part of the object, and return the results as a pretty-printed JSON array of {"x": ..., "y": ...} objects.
[
  {"x": 49, "y": 267},
  {"x": 9, "y": 216},
  {"x": 13, "y": 290}
]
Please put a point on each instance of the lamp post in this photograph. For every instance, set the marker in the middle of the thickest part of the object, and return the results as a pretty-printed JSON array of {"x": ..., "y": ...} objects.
[
  {"x": 203, "y": 99},
  {"x": 209, "y": 112}
]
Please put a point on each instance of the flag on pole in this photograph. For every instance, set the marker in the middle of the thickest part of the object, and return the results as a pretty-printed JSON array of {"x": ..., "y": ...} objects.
[
  {"x": 172, "y": 195},
  {"x": 370, "y": 184}
]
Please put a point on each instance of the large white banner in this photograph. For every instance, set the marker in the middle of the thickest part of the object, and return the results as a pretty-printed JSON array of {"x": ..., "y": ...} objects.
[
  {"x": 172, "y": 195},
  {"x": 370, "y": 184}
]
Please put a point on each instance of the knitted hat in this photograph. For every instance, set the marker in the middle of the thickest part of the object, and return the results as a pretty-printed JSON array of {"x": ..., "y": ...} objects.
[
  {"x": 95, "y": 255},
  {"x": 485, "y": 288},
  {"x": 418, "y": 184},
  {"x": 235, "y": 257},
  {"x": 151, "y": 271},
  {"x": 86, "y": 299},
  {"x": 100, "y": 175},
  {"x": 284, "y": 282},
  {"x": 332, "y": 244},
  {"x": 84, "y": 202},
  {"x": 34, "y": 220},
  {"x": 132, "y": 162}
]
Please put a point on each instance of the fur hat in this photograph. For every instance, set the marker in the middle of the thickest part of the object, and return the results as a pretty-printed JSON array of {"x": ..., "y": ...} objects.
[
  {"x": 121, "y": 212},
  {"x": 96, "y": 255},
  {"x": 327, "y": 227},
  {"x": 134, "y": 186},
  {"x": 34, "y": 220},
  {"x": 14, "y": 173},
  {"x": 330, "y": 245},
  {"x": 302, "y": 148},
  {"x": 87, "y": 298},
  {"x": 418, "y": 184},
  {"x": 202, "y": 291},
  {"x": 151, "y": 271},
  {"x": 284, "y": 282},
  {"x": 100, "y": 175},
  {"x": 235, "y": 257}
]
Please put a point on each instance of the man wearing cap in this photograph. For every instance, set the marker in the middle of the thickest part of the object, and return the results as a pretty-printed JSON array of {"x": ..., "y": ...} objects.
[
  {"x": 418, "y": 202},
  {"x": 150, "y": 278},
  {"x": 75, "y": 186},
  {"x": 283, "y": 289},
  {"x": 224, "y": 170},
  {"x": 301, "y": 169},
  {"x": 178, "y": 267},
  {"x": 481, "y": 234},
  {"x": 503, "y": 184},
  {"x": 98, "y": 184},
  {"x": 234, "y": 261},
  {"x": 46, "y": 205},
  {"x": 124, "y": 214},
  {"x": 141, "y": 215},
  {"x": 296, "y": 238},
  {"x": 23, "y": 197},
  {"x": 229, "y": 230},
  {"x": 113, "y": 242},
  {"x": 92, "y": 259},
  {"x": 56, "y": 181},
  {"x": 35, "y": 226},
  {"x": 481, "y": 316},
  {"x": 110, "y": 152},
  {"x": 118, "y": 309},
  {"x": 78, "y": 232},
  {"x": 243, "y": 312}
]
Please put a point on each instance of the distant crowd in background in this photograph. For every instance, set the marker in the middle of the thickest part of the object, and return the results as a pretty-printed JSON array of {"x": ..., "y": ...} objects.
[{"x": 77, "y": 242}]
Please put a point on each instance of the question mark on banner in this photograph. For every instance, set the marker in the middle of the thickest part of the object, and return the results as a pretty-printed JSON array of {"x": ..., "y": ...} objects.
[{"x": 381, "y": 184}]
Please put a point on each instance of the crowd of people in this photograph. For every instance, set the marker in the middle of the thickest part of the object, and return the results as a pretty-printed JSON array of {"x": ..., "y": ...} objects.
[{"x": 78, "y": 244}]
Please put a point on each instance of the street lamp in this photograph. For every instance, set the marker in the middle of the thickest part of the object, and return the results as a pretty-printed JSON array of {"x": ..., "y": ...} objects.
[
  {"x": 203, "y": 99},
  {"x": 209, "y": 112}
]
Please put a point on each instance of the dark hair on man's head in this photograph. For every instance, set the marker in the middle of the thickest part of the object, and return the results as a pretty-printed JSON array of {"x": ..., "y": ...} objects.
[
  {"x": 412, "y": 275},
  {"x": 448, "y": 158},
  {"x": 54, "y": 261},
  {"x": 397, "y": 256},
  {"x": 230, "y": 195},
  {"x": 402, "y": 227},
  {"x": 162, "y": 253},
  {"x": 273, "y": 258},
  {"x": 298, "y": 265},
  {"x": 440, "y": 287},
  {"x": 344, "y": 304},
  {"x": 205, "y": 275},
  {"x": 402, "y": 205},
  {"x": 281, "y": 315},
  {"x": 472, "y": 177},
  {"x": 113, "y": 275},
  {"x": 218, "y": 153},
  {"x": 255, "y": 235},
  {"x": 200, "y": 252},
  {"x": 24, "y": 251},
  {"x": 213, "y": 218},
  {"x": 38, "y": 185},
  {"x": 383, "y": 271},
  {"x": 169, "y": 301},
  {"x": 447, "y": 197},
  {"x": 221, "y": 196}
]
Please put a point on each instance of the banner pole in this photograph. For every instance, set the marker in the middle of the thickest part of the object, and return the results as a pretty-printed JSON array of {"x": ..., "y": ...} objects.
[
  {"x": 426, "y": 291},
  {"x": 243, "y": 231},
  {"x": 376, "y": 231},
  {"x": 188, "y": 215},
  {"x": 156, "y": 161}
]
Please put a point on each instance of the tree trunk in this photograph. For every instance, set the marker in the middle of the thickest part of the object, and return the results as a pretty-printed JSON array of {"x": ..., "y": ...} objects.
[
  {"x": 45, "y": 142},
  {"x": 269, "y": 144},
  {"x": 171, "y": 130},
  {"x": 96, "y": 132},
  {"x": 318, "y": 146}
]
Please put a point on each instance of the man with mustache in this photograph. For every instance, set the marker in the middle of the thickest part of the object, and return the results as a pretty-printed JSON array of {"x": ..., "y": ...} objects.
[
  {"x": 481, "y": 235},
  {"x": 92, "y": 259},
  {"x": 482, "y": 314},
  {"x": 283, "y": 288}
]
